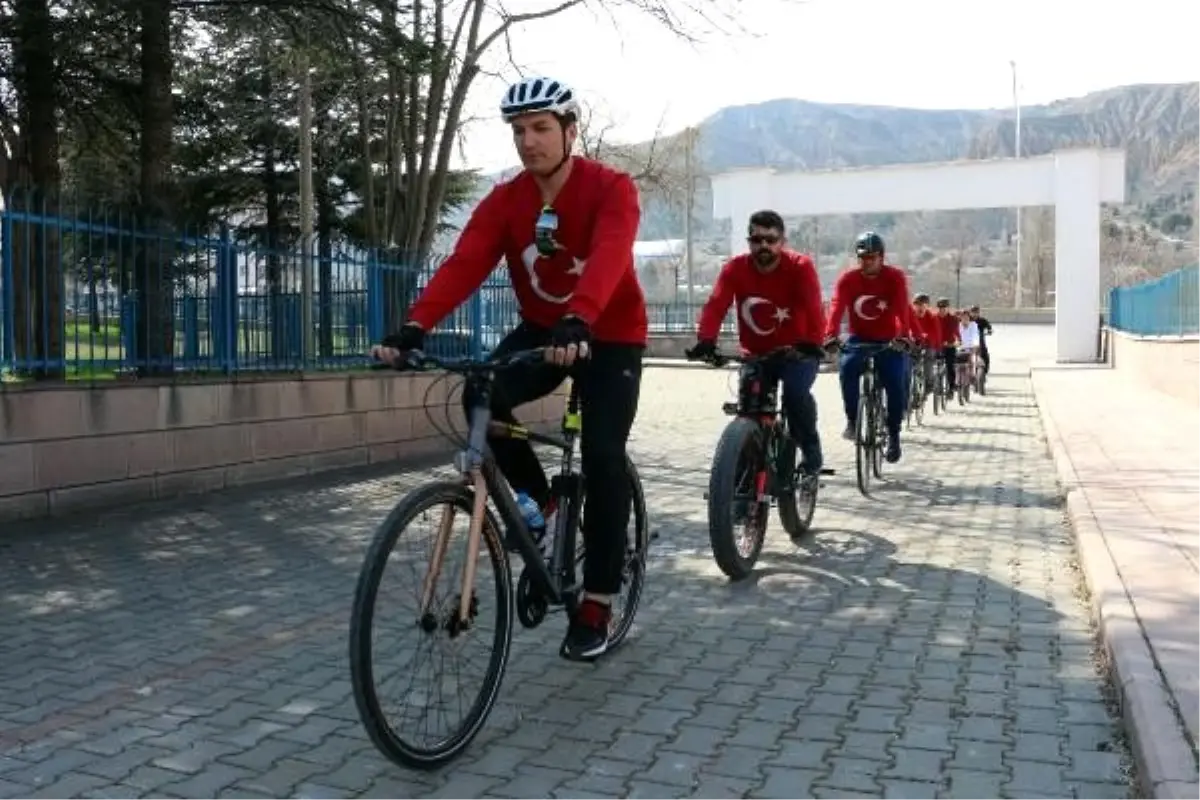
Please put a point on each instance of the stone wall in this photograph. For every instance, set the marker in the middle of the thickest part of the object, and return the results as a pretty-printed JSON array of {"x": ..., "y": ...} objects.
[{"x": 67, "y": 447}]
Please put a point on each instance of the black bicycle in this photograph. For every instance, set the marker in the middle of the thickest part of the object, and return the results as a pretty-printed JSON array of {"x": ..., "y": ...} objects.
[
  {"x": 940, "y": 390},
  {"x": 442, "y": 625},
  {"x": 755, "y": 464},
  {"x": 918, "y": 390},
  {"x": 870, "y": 435}
]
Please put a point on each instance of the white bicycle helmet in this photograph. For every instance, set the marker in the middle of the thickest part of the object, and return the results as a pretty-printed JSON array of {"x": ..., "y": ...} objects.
[{"x": 532, "y": 95}]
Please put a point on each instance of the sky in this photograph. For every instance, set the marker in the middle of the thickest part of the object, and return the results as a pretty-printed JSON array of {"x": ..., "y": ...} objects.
[{"x": 912, "y": 53}]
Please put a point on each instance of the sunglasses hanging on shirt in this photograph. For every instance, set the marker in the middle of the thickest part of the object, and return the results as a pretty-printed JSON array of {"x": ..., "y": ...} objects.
[{"x": 543, "y": 232}]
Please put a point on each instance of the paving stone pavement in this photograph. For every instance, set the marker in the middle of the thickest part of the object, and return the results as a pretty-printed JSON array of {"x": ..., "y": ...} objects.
[{"x": 930, "y": 642}]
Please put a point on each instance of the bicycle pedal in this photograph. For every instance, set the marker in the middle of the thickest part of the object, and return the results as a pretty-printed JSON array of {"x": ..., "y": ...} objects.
[{"x": 828, "y": 471}]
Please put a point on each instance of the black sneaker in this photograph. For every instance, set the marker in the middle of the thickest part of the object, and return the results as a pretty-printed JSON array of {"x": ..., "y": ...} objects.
[
  {"x": 587, "y": 636},
  {"x": 893, "y": 449}
]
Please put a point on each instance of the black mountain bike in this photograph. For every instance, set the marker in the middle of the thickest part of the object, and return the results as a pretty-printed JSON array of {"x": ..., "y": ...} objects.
[
  {"x": 870, "y": 436},
  {"x": 442, "y": 625},
  {"x": 755, "y": 465},
  {"x": 918, "y": 391},
  {"x": 939, "y": 391}
]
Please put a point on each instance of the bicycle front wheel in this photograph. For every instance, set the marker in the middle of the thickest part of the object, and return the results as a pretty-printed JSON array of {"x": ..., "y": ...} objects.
[
  {"x": 395, "y": 644},
  {"x": 737, "y": 521},
  {"x": 864, "y": 444}
]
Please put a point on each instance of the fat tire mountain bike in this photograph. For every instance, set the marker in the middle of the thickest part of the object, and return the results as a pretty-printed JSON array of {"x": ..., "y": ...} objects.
[
  {"x": 543, "y": 584},
  {"x": 754, "y": 466}
]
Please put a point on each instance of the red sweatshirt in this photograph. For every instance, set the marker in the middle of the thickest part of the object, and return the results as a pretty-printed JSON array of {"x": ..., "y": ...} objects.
[
  {"x": 592, "y": 276},
  {"x": 925, "y": 327},
  {"x": 775, "y": 309},
  {"x": 878, "y": 306},
  {"x": 949, "y": 328}
]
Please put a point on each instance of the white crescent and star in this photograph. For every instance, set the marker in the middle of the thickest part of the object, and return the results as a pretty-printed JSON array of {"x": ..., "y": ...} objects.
[
  {"x": 860, "y": 306},
  {"x": 747, "y": 311},
  {"x": 530, "y": 256}
]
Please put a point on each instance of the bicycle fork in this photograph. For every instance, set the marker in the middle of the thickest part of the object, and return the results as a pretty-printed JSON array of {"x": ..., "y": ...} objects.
[{"x": 442, "y": 542}]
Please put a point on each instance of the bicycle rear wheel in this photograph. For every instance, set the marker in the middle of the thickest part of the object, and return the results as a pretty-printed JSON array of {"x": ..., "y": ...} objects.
[
  {"x": 437, "y": 630},
  {"x": 633, "y": 577},
  {"x": 881, "y": 435}
]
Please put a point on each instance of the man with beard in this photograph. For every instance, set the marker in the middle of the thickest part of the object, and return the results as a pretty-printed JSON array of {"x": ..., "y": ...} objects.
[{"x": 778, "y": 297}]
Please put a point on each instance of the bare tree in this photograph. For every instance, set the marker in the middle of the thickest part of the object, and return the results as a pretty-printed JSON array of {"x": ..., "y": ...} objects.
[
  {"x": 1037, "y": 277},
  {"x": 656, "y": 165},
  {"x": 432, "y": 51}
]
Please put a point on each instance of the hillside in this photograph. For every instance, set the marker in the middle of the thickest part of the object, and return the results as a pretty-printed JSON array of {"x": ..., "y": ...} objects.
[{"x": 1157, "y": 125}]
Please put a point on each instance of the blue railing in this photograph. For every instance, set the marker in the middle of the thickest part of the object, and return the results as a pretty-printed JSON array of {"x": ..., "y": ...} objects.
[
  {"x": 69, "y": 301},
  {"x": 1167, "y": 306}
]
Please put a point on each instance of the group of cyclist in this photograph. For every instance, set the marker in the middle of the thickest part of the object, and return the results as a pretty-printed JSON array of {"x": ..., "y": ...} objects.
[{"x": 566, "y": 227}]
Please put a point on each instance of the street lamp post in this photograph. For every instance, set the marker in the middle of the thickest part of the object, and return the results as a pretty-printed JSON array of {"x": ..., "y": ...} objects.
[{"x": 1017, "y": 152}]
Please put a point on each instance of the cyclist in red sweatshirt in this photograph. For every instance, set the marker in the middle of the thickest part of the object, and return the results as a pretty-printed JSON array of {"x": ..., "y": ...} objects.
[
  {"x": 927, "y": 332},
  {"x": 565, "y": 226},
  {"x": 876, "y": 297},
  {"x": 778, "y": 296}
]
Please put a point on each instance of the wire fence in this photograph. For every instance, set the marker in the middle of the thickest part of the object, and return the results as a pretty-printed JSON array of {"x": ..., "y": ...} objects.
[{"x": 1166, "y": 306}]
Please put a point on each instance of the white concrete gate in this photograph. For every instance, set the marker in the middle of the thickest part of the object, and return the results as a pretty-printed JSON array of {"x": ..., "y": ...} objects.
[{"x": 1074, "y": 181}]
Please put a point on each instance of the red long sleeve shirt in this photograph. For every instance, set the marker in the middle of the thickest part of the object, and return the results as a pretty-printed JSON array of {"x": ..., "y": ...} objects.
[
  {"x": 925, "y": 327},
  {"x": 591, "y": 276},
  {"x": 878, "y": 306},
  {"x": 949, "y": 327},
  {"x": 775, "y": 309}
]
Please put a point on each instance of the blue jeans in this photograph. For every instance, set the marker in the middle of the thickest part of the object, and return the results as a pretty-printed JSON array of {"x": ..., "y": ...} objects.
[
  {"x": 800, "y": 409},
  {"x": 891, "y": 366}
]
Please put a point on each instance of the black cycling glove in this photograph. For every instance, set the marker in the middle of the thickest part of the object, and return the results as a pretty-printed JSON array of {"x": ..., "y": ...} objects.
[
  {"x": 409, "y": 337},
  {"x": 570, "y": 331},
  {"x": 704, "y": 349}
]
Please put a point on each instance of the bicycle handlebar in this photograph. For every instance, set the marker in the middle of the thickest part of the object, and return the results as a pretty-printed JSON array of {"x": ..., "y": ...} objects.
[
  {"x": 417, "y": 360},
  {"x": 789, "y": 353}
]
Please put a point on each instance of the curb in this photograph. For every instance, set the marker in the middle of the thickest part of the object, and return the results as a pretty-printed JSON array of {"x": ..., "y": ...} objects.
[{"x": 1166, "y": 763}]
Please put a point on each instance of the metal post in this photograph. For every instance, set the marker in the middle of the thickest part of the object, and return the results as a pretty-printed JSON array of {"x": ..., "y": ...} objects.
[
  {"x": 1018, "y": 289},
  {"x": 689, "y": 204}
]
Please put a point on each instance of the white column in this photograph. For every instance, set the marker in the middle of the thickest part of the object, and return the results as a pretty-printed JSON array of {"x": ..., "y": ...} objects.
[
  {"x": 1077, "y": 254},
  {"x": 737, "y": 195}
]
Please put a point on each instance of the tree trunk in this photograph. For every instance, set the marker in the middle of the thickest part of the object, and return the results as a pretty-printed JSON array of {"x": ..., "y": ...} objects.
[
  {"x": 153, "y": 278},
  {"x": 38, "y": 312}
]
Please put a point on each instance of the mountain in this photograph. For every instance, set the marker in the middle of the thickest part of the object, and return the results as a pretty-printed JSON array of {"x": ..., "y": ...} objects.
[{"x": 1158, "y": 126}]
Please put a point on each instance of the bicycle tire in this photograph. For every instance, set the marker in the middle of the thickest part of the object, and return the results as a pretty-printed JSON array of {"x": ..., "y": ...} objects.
[
  {"x": 635, "y": 560},
  {"x": 722, "y": 483},
  {"x": 863, "y": 432},
  {"x": 880, "y": 419},
  {"x": 796, "y": 507},
  {"x": 385, "y": 738}
]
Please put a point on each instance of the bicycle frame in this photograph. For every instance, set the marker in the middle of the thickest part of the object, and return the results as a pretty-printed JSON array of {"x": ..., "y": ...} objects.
[{"x": 478, "y": 468}]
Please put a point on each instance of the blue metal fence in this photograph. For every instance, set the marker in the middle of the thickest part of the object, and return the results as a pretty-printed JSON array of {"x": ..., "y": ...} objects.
[
  {"x": 1167, "y": 306},
  {"x": 69, "y": 301}
]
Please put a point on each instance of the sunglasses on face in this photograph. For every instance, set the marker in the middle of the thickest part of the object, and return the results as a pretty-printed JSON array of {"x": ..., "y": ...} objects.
[
  {"x": 544, "y": 230},
  {"x": 762, "y": 239}
]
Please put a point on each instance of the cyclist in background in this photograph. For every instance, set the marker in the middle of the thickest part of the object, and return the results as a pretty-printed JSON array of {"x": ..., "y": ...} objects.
[
  {"x": 927, "y": 333},
  {"x": 968, "y": 338},
  {"x": 875, "y": 296},
  {"x": 985, "y": 330},
  {"x": 778, "y": 297},
  {"x": 948, "y": 323},
  {"x": 565, "y": 225}
]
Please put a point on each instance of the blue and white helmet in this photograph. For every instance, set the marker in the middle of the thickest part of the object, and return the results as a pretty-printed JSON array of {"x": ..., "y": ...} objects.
[{"x": 533, "y": 95}]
